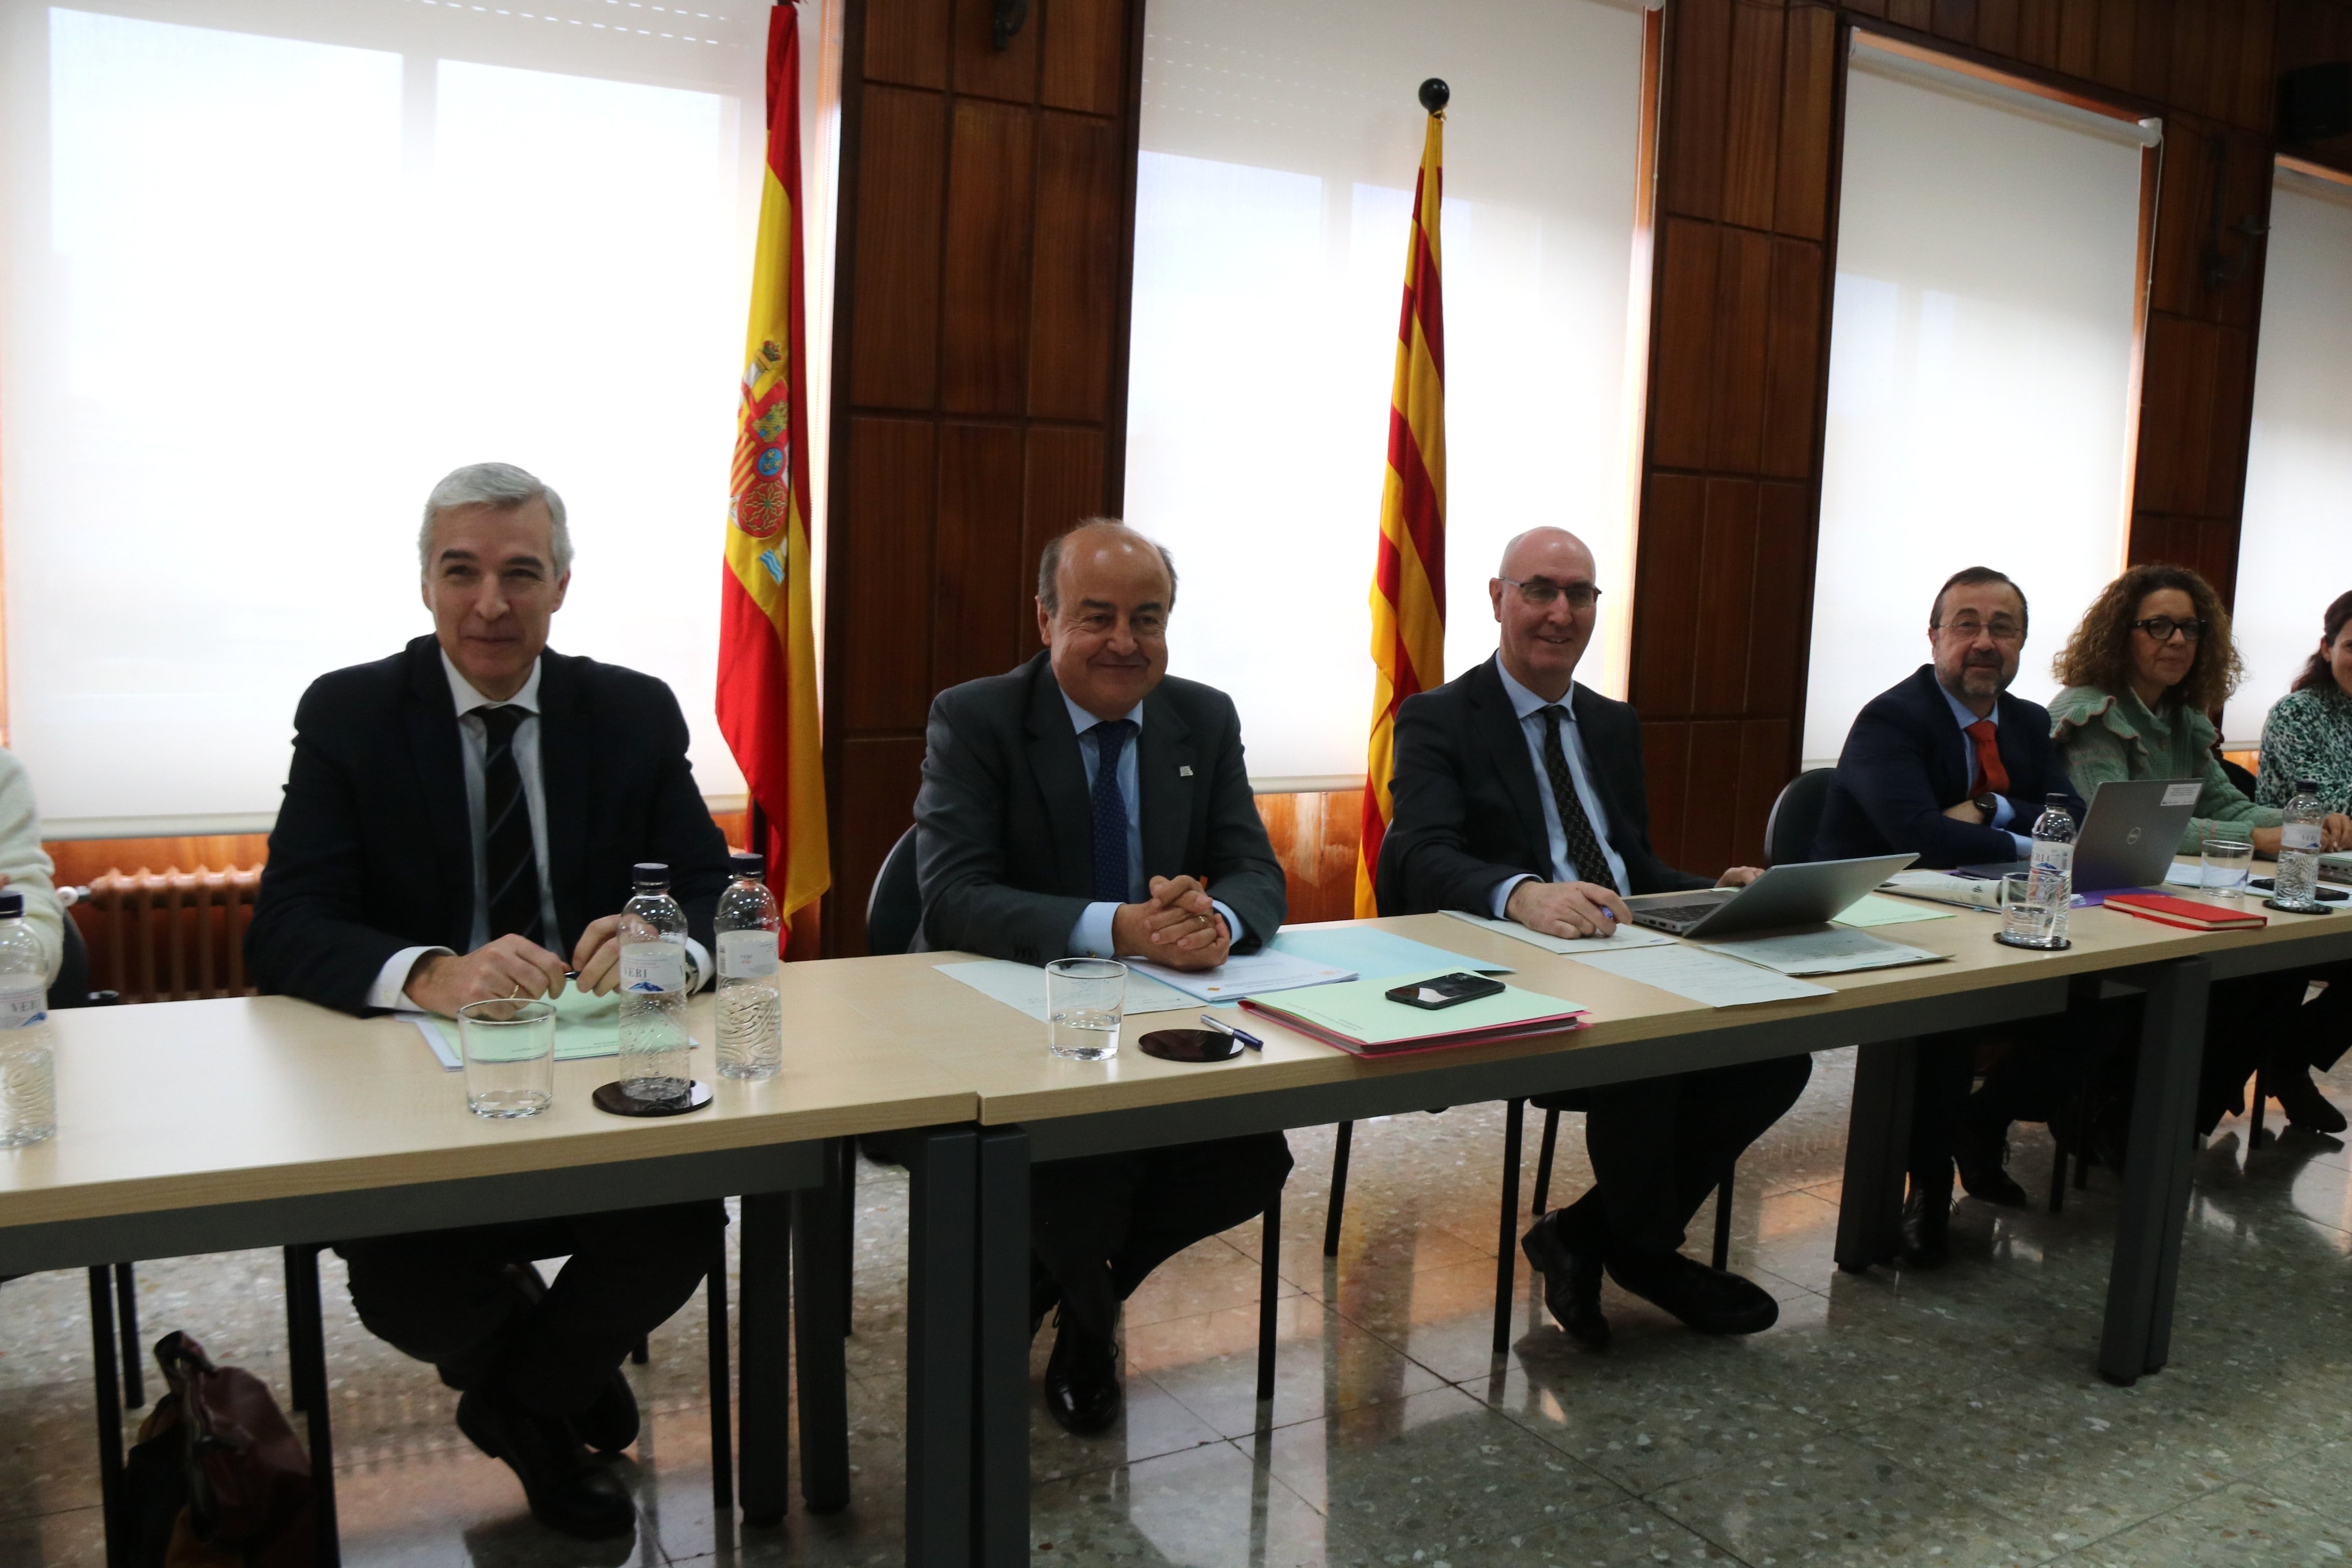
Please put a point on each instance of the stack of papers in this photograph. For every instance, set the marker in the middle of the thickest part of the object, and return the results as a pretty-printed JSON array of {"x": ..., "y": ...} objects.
[
  {"x": 586, "y": 1025},
  {"x": 1830, "y": 952},
  {"x": 1944, "y": 889},
  {"x": 1359, "y": 1018},
  {"x": 1260, "y": 971},
  {"x": 1622, "y": 939},
  {"x": 1022, "y": 986},
  {"x": 1368, "y": 950},
  {"x": 1692, "y": 972},
  {"x": 1871, "y": 909}
]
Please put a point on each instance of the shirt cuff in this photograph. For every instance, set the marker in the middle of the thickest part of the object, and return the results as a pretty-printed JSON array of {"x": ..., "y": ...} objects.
[
  {"x": 2024, "y": 846},
  {"x": 1091, "y": 937},
  {"x": 2004, "y": 814},
  {"x": 703, "y": 972},
  {"x": 1503, "y": 893},
  {"x": 1234, "y": 927},
  {"x": 387, "y": 991}
]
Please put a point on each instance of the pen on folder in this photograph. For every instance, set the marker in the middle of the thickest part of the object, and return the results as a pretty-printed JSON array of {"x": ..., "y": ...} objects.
[{"x": 1252, "y": 1041}]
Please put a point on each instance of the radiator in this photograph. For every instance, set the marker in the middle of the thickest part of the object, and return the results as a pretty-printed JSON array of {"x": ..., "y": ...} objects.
[{"x": 169, "y": 936}]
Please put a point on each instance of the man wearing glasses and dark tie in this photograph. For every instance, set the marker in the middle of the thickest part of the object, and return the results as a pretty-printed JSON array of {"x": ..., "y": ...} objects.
[{"x": 1519, "y": 794}]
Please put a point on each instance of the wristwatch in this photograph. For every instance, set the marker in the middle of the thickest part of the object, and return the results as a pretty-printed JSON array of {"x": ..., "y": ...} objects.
[{"x": 1988, "y": 803}]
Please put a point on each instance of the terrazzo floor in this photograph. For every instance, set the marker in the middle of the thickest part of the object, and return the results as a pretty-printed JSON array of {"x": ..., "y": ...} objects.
[{"x": 1951, "y": 1418}]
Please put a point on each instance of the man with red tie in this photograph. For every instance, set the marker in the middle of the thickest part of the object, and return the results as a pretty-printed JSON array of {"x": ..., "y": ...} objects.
[{"x": 1952, "y": 767}]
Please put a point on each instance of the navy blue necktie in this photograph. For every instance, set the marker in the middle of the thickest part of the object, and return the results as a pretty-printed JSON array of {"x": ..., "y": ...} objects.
[
  {"x": 1110, "y": 811},
  {"x": 510, "y": 861}
]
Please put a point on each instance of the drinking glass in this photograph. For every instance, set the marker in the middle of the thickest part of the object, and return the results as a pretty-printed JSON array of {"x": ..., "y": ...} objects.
[
  {"x": 2228, "y": 863},
  {"x": 509, "y": 1048},
  {"x": 1084, "y": 998},
  {"x": 2029, "y": 913}
]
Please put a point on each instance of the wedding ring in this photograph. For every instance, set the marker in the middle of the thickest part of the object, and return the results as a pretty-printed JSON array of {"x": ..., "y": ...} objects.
[{"x": 513, "y": 994}]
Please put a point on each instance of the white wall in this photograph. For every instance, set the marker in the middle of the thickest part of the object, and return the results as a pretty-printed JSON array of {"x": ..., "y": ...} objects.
[
  {"x": 1980, "y": 361},
  {"x": 1280, "y": 142},
  {"x": 2292, "y": 550}
]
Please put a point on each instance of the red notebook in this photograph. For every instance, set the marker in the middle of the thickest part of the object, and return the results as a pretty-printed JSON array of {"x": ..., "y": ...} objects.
[{"x": 2184, "y": 912}]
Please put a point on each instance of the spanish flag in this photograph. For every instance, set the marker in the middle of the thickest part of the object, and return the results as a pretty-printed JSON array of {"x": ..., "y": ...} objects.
[
  {"x": 767, "y": 640},
  {"x": 1409, "y": 578}
]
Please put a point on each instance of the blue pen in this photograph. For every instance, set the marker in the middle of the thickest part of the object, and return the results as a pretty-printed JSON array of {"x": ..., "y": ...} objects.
[{"x": 1252, "y": 1041}]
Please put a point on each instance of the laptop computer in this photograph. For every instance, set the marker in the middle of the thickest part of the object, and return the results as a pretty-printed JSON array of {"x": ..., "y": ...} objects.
[
  {"x": 2127, "y": 840},
  {"x": 1805, "y": 893}
]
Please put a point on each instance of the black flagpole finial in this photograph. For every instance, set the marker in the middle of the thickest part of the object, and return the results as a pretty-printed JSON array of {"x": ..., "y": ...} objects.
[{"x": 1434, "y": 94}]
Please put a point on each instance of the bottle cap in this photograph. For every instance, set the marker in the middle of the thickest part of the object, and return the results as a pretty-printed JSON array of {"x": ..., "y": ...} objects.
[
  {"x": 11, "y": 905},
  {"x": 2307, "y": 786},
  {"x": 653, "y": 874},
  {"x": 2059, "y": 801},
  {"x": 747, "y": 865}
]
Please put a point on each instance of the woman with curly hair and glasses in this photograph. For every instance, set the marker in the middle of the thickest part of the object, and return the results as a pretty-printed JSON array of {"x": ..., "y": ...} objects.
[
  {"x": 2309, "y": 733},
  {"x": 2152, "y": 657}
]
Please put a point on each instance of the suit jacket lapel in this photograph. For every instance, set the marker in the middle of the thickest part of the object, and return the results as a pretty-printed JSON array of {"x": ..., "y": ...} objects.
[
  {"x": 1166, "y": 775},
  {"x": 1062, "y": 780},
  {"x": 563, "y": 745},
  {"x": 431, "y": 719},
  {"x": 1507, "y": 745}
]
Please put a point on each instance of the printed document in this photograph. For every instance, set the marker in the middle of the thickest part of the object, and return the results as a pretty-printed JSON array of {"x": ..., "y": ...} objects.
[
  {"x": 1266, "y": 970},
  {"x": 1690, "y": 971},
  {"x": 1830, "y": 952},
  {"x": 1625, "y": 939},
  {"x": 1022, "y": 986}
]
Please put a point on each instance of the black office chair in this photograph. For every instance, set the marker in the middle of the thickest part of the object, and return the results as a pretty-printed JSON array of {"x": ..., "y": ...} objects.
[
  {"x": 894, "y": 909},
  {"x": 1796, "y": 817}
]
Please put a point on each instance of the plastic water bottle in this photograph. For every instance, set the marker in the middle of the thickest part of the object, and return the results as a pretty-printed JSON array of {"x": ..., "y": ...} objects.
[
  {"x": 750, "y": 1019},
  {"x": 2053, "y": 860},
  {"x": 657, "y": 1051},
  {"x": 28, "y": 1078},
  {"x": 2298, "y": 856}
]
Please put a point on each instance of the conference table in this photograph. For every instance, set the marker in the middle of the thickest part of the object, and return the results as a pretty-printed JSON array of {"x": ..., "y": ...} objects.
[
  {"x": 1034, "y": 1107},
  {"x": 195, "y": 1127}
]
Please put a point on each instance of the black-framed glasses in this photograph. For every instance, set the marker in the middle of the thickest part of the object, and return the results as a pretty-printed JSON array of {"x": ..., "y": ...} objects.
[
  {"x": 1967, "y": 628},
  {"x": 2161, "y": 628},
  {"x": 1541, "y": 595}
]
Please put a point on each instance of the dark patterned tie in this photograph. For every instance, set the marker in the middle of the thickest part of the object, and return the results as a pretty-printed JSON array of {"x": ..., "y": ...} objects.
[
  {"x": 507, "y": 856},
  {"x": 1110, "y": 811},
  {"x": 1583, "y": 844}
]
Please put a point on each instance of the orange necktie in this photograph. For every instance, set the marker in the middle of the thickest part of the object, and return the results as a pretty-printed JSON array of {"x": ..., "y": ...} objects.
[{"x": 1991, "y": 774}]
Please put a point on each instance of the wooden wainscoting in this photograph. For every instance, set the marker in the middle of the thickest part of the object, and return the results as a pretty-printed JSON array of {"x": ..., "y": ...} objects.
[{"x": 1315, "y": 837}]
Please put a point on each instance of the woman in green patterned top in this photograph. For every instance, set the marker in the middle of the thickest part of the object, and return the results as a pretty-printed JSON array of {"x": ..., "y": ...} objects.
[
  {"x": 2309, "y": 734},
  {"x": 2152, "y": 657}
]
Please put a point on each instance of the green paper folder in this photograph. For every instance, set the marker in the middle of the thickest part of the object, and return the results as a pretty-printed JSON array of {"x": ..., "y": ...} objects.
[
  {"x": 1358, "y": 1016},
  {"x": 585, "y": 1025}
]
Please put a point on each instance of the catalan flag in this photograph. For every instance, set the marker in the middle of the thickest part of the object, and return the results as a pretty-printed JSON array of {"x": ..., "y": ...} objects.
[
  {"x": 767, "y": 640},
  {"x": 1409, "y": 577}
]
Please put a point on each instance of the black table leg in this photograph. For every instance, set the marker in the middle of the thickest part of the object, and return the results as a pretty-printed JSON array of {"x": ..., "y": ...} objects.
[
  {"x": 1001, "y": 1380},
  {"x": 1877, "y": 1143},
  {"x": 1515, "y": 1117},
  {"x": 108, "y": 1392},
  {"x": 722, "y": 1411},
  {"x": 307, "y": 1350},
  {"x": 2138, "y": 1335},
  {"x": 765, "y": 1329},
  {"x": 126, "y": 1306},
  {"x": 943, "y": 1225},
  {"x": 818, "y": 1296}
]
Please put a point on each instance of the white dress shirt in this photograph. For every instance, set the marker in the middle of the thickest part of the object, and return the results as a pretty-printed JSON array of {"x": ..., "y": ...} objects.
[
  {"x": 472, "y": 749},
  {"x": 2004, "y": 814},
  {"x": 1534, "y": 727},
  {"x": 1091, "y": 937}
]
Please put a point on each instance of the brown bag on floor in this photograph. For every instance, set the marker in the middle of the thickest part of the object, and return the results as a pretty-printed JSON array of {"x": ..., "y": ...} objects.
[{"x": 248, "y": 1476}]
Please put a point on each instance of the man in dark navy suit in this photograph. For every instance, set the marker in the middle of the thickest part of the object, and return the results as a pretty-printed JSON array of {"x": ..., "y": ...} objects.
[
  {"x": 458, "y": 818},
  {"x": 1089, "y": 805},
  {"x": 1518, "y": 793},
  {"x": 1952, "y": 767}
]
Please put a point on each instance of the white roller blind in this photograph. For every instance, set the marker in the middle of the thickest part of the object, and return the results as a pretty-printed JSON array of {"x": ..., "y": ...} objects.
[
  {"x": 271, "y": 270},
  {"x": 2298, "y": 517},
  {"x": 1981, "y": 356},
  {"x": 1280, "y": 145}
]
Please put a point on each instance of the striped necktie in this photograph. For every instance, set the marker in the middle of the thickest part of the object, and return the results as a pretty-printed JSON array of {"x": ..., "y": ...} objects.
[
  {"x": 1583, "y": 844},
  {"x": 507, "y": 855}
]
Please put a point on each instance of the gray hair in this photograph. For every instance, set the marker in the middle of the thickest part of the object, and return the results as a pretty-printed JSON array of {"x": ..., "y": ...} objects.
[
  {"x": 1049, "y": 562},
  {"x": 500, "y": 485}
]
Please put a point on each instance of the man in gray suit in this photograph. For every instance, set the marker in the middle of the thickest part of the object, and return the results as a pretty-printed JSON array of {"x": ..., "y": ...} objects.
[{"x": 1086, "y": 805}]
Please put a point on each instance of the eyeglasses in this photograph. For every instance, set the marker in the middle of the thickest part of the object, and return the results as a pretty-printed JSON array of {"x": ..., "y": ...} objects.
[
  {"x": 2161, "y": 628},
  {"x": 1541, "y": 595},
  {"x": 2001, "y": 629}
]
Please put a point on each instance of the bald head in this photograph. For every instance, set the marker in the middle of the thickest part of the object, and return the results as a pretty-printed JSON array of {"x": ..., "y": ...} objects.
[
  {"x": 1543, "y": 596},
  {"x": 1104, "y": 592}
]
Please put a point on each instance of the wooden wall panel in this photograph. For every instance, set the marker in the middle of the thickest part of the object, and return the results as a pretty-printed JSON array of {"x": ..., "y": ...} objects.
[
  {"x": 1808, "y": 101},
  {"x": 1752, "y": 118},
  {"x": 1743, "y": 311},
  {"x": 1727, "y": 580},
  {"x": 978, "y": 339},
  {"x": 1699, "y": 78},
  {"x": 1666, "y": 610},
  {"x": 1682, "y": 367},
  {"x": 984, "y": 316}
]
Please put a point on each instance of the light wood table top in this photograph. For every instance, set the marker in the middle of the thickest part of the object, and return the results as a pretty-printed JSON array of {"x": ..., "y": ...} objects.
[
  {"x": 1001, "y": 1052},
  {"x": 175, "y": 1105}
]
